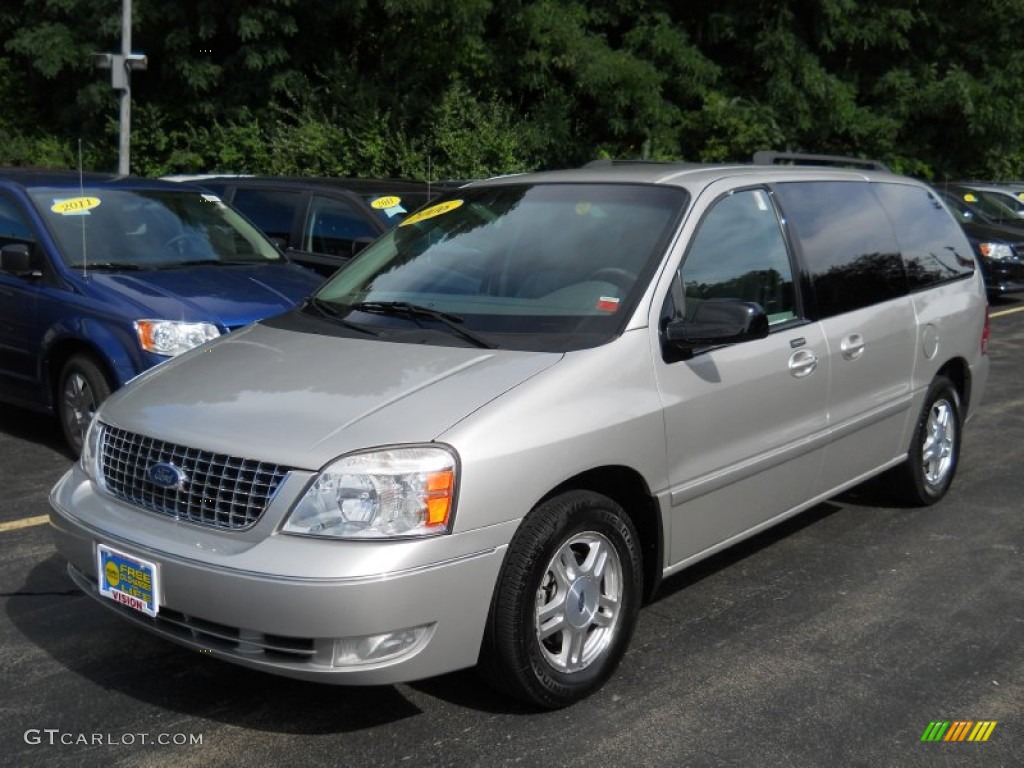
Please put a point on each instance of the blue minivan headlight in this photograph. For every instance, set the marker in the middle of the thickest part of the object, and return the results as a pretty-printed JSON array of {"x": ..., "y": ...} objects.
[{"x": 172, "y": 337}]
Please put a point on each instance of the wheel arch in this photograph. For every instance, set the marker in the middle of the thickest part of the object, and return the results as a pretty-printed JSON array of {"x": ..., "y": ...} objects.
[
  {"x": 959, "y": 372},
  {"x": 628, "y": 489},
  {"x": 63, "y": 350}
]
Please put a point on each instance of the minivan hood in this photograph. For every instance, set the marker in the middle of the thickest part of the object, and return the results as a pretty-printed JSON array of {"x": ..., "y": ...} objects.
[
  {"x": 301, "y": 399},
  {"x": 230, "y": 296}
]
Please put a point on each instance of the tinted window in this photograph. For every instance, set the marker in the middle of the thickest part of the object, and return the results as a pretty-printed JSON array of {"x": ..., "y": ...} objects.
[
  {"x": 739, "y": 252},
  {"x": 272, "y": 210},
  {"x": 933, "y": 245},
  {"x": 13, "y": 227},
  {"x": 334, "y": 226},
  {"x": 846, "y": 242}
]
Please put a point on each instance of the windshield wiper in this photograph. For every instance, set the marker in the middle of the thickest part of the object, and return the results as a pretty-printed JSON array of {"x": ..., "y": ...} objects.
[
  {"x": 326, "y": 310},
  {"x": 108, "y": 265},
  {"x": 405, "y": 309},
  {"x": 191, "y": 263}
]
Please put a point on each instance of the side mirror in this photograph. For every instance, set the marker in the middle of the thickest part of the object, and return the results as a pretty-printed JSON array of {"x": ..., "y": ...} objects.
[
  {"x": 718, "y": 321},
  {"x": 16, "y": 259}
]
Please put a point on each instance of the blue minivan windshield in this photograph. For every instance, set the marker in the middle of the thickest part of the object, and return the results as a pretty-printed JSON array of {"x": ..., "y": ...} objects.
[
  {"x": 148, "y": 229},
  {"x": 538, "y": 266}
]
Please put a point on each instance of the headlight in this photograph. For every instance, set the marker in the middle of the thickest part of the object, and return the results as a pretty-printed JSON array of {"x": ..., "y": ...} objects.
[
  {"x": 172, "y": 337},
  {"x": 996, "y": 251},
  {"x": 392, "y": 492}
]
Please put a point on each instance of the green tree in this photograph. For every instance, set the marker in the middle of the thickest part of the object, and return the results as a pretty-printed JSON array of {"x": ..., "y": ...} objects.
[{"x": 473, "y": 87}]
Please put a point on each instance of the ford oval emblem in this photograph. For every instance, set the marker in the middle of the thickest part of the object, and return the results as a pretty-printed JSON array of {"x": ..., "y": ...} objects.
[{"x": 165, "y": 475}]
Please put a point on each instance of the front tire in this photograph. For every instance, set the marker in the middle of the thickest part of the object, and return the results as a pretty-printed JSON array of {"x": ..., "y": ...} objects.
[
  {"x": 566, "y": 601},
  {"x": 82, "y": 387},
  {"x": 934, "y": 455}
]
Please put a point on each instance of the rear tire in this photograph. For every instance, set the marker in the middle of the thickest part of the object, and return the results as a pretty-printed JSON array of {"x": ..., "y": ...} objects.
[
  {"x": 927, "y": 474},
  {"x": 82, "y": 387},
  {"x": 566, "y": 601}
]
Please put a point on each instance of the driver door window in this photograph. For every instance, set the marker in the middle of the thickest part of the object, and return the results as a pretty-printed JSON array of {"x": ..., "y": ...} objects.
[
  {"x": 13, "y": 227},
  {"x": 739, "y": 252}
]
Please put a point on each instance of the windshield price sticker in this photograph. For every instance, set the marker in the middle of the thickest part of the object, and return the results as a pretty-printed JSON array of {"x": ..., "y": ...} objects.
[
  {"x": 127, "y": 580},
  {"x": 389, "y": 205},
  {"x": 431, "y": 212},
  {"x": 382, "y": 203},
  {"x": 75, "y": 206}
]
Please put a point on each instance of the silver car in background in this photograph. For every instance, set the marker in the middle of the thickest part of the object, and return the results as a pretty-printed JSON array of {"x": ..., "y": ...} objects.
[{"x": 487, "y": 439}]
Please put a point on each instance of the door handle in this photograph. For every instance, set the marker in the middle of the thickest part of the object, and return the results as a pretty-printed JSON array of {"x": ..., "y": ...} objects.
[
  {"x": 802, "y": 363},
  {"x": 852, "y": 346}
]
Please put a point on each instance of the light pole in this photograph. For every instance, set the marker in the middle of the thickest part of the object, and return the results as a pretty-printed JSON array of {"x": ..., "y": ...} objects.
[{"x": 120, "y": 66}]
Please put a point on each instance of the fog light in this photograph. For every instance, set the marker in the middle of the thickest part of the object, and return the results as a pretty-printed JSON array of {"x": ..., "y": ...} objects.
[{"x": 373, "y": 649}]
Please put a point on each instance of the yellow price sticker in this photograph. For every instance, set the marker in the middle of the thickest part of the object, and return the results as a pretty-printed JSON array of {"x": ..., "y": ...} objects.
[
  {"x": 431, "y": 212},
  {"x": 970, "y": 198},
  {"x": 385, "y": 202},
  {"x": 74, "y": 205}
]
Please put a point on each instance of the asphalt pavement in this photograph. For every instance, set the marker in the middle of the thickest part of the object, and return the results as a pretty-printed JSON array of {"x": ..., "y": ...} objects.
[{"x": 838, "y": 638}]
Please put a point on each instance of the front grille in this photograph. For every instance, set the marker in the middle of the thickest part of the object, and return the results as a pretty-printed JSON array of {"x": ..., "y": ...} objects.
[{"x": 213, "y": 489}]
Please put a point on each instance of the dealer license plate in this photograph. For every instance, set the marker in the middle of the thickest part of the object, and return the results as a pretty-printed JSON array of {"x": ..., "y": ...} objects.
[{"x": 127, "y": 580}]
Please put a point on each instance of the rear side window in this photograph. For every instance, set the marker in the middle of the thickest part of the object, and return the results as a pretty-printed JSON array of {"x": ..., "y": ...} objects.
[
  {"x": 846, "y": 241},
  {"x": 334, "y": 226},
  {"x": 272, "y": 210},
  {"x": 934, "y": 247}
]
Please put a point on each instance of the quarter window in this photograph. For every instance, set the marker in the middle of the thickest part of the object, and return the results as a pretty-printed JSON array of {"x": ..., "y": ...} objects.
[
  {"x": 271, "y": 210},
  {"x": 739, "y": 252},
  {"x": 934, "y": 247}
]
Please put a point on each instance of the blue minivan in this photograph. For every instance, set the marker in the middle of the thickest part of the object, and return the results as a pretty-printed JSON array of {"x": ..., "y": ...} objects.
[{"x": 102, "y": 277}]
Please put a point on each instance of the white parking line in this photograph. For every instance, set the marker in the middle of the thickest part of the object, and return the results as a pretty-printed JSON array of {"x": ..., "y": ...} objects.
[
  {"x": 1004, "y": 312},
  {"x": 25, "y": 522}
]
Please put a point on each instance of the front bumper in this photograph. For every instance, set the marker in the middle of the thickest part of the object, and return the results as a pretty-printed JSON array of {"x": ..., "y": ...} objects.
[{"x": 306, "y": 600}]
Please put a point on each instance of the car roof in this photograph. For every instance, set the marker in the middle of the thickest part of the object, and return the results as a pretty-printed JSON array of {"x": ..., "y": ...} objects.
[
  {"x": 689, "y": 174},
  {"x": 364, "y": 186},
  {"x": 969, "y": 186},
  {"x": 985, "y": 185},
  {"x": 49, "y": 177}
]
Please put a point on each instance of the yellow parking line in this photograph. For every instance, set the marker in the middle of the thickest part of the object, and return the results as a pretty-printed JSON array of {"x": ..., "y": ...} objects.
[
  {"x": 1003, "y": 312},
  {"x": 25, "y": 522}
]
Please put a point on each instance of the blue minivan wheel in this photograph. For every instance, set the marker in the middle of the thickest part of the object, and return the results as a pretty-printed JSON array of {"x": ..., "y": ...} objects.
[{"x": 83, "y": 386}]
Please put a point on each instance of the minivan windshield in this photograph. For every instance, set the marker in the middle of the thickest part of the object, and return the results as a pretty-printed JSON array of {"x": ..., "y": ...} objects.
[
  {"x": 519, "y": 266},
  {"x": 148, "y": 229}
]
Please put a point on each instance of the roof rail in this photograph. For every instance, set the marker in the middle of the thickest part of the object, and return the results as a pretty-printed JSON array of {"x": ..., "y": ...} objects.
[
  {"x": 604, "y": 162},
  {"x": 767, "y": 157}
]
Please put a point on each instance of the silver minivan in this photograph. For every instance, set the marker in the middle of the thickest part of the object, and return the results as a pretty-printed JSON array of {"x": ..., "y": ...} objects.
[{"x": 489, "y": 438}]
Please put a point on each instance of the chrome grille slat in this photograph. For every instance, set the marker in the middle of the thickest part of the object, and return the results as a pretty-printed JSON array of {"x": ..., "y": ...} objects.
[{"x": 219, "y": 491}]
